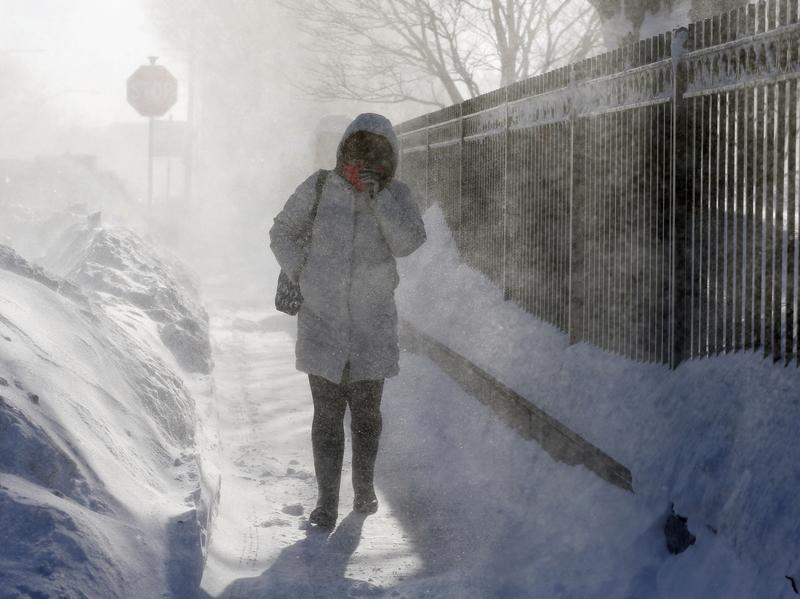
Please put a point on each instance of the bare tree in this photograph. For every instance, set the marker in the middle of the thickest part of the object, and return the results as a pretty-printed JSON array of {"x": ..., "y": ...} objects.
[{"x": 438, "y": 51}]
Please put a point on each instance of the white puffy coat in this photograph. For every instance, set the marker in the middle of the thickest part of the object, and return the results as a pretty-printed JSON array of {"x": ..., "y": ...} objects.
[{"x": 350, "y": 274}]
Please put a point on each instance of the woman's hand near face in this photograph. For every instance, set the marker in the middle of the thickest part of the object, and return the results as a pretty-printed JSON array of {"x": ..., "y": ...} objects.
[{"x": 371, "y": 179}]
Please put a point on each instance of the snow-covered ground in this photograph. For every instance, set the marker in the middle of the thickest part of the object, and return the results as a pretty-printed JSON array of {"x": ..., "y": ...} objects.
[
  {"x": 717, "y": 437},
  {"x": 468, "y": 508}
]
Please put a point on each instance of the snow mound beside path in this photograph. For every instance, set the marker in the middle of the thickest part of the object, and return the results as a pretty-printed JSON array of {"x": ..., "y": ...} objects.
[
  {"x": 102, "y": 490},
  {"x": 118, "y": 264}
]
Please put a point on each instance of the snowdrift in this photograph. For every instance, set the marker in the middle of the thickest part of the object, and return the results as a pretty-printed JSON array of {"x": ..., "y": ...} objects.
[
  {"x": 119, "y": 266},
  {"x": 716, "y": 437},
  {"x": 107, "y": 475},
  {"x": 77, "y": 241}
]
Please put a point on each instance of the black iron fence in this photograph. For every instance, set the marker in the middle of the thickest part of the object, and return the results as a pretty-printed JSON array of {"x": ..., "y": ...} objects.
[{"x": 645, "y": 200}]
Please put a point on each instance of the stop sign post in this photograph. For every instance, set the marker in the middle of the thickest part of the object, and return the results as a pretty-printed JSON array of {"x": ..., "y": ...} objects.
[{"x": 152, "y": 90}]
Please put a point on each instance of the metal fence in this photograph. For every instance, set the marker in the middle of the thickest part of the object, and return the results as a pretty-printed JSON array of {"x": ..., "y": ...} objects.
[{"x": 645, "y": 200}]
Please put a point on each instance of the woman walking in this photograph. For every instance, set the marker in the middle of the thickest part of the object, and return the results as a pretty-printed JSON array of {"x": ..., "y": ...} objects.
[{"x": 360, "y": 220}]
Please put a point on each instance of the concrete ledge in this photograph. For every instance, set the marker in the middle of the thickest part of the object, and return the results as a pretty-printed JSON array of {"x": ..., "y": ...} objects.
[{"x": 529, "y": 421}]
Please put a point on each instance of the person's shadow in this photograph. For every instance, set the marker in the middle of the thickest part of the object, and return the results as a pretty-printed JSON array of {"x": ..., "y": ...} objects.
[{"x": 313, "y": 567}]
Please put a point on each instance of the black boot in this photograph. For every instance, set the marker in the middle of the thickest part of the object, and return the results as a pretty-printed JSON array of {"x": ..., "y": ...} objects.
[
  {"x": 327, "y": 439},
  {"x": 365, "y": 503},
  {"x": 329, "y": 471},
  {"x": 365, "y": 450},
  {"x": 366, "y": 427},
  {"x": 322, "y": 517}
]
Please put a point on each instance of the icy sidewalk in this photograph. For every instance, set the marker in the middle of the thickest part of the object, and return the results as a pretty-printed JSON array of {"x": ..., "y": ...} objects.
[
  {"x": 260, "y": 542},
  {"x": 468, "y": 508}
]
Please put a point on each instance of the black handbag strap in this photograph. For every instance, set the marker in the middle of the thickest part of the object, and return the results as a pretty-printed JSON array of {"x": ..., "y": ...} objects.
[{"x": 321, "y": 178}]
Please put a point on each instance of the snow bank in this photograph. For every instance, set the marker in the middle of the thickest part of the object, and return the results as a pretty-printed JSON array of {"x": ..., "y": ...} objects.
[
  {"x": 716, "y": 437},
  {"x": 63, "y": 213},
  {"x": 108, "y": 480},
  {"x": 85, "y": 449},
  {"x": 117, "y": 264}
]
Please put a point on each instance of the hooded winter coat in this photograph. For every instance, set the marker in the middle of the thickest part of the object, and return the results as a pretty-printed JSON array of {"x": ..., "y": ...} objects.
[{"x": 350, "y": 273}]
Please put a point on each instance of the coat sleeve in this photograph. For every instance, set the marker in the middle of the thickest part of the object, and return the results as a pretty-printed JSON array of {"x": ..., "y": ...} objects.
[
  {"x": 289, "y": 227},
  {"x": 399, "y": 219}
]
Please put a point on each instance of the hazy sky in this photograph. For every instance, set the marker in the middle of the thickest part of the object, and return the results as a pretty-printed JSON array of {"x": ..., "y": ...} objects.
[{"x": 79, "y": 53}]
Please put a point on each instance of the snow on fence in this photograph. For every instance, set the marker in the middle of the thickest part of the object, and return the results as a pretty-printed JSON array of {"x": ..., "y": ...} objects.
[{"x": 644, "y": 200}]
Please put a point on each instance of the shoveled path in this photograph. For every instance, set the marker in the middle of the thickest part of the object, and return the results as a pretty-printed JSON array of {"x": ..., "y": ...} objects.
[
  {"x": 261, "y": 544},
  {"x": 469, "y": 509}
]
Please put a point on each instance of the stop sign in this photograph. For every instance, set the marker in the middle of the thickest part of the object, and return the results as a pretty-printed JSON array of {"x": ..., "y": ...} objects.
[{"x": 152, "y": 90}]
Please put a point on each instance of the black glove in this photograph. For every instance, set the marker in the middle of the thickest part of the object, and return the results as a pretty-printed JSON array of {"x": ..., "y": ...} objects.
[{"x": 372, "y": 179}]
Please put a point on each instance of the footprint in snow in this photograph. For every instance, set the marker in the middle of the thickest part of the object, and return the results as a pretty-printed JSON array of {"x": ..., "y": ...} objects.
[
  {"x": 298, "y": 474},
  {"x": 294, "y": 509},
  {"x": 274, "y": 522}
]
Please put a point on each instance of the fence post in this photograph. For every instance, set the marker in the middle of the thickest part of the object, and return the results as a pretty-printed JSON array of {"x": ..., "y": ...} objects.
[
  {"x": 577, "y": 204},
  {"x": 504, "y": 258},
  {"x": 427, "y": 161},
  {"x": 460, "y": 234},
  {"x": 679, "y": 204},
  {"x": 459, "y": 208}
]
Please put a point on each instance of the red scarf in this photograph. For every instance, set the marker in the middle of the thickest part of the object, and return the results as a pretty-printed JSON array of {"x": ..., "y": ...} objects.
[{"x": 352, "y": 173}]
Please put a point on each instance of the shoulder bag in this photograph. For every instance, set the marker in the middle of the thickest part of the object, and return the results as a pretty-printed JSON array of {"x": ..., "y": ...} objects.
[{"x": 288, "y": 298}]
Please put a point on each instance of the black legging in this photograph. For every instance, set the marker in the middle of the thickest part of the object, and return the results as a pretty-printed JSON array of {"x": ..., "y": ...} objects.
[{"x": 327, "y": 433}]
